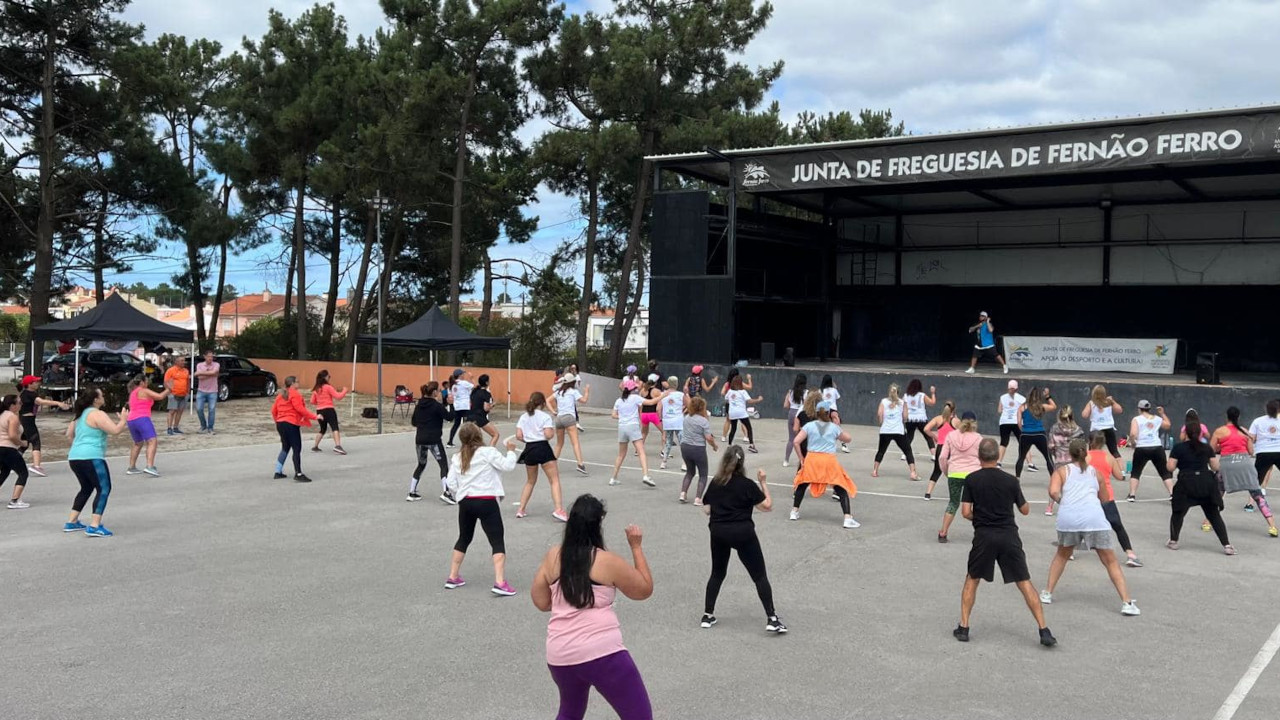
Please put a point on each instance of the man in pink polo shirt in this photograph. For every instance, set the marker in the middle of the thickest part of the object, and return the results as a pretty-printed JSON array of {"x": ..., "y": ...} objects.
[{"x": 207, "y": 391}]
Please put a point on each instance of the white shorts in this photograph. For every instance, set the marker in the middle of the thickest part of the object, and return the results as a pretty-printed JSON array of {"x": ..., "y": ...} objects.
[{"x": 628, "y": 433}]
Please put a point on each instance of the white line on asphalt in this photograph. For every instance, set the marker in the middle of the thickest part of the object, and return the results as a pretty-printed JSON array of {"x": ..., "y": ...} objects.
[{"x": 1260, "y": 663}]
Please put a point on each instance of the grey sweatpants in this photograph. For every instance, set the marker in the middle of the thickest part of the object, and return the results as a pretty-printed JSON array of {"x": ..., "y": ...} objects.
[{"x": 695, "y": 459}]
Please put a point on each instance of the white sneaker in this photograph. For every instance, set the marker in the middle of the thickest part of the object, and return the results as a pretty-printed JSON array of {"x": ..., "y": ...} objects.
[
  {"x": 1130, "y": 608},
  {"x": 19, "y": 504},
  {"x": 1046, "y": 597},
  {"x": 724, "y": 438},
  {"x": 795, "y": 514},
  {"x": 662, "y": 465},
  {"x": 844, "y": 448},
  {"x": 969, "y": 371},
  {"x": 683, "y": 468},
  {"x": 614, "y": 481},
  {"x": 648, "y": 481},
  {"x": 1032, "y": 467},
  {"x": 902, "y": 456},
  {"x": 850, "y": 523},
  {"x": 1006, "y": 369},
  {"x": 786, "y": 464}
]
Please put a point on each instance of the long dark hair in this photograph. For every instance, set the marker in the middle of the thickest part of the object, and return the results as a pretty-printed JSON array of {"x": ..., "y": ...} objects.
[
  {"x": 1193, "y": 437},
  {"x": 1273, "y": 408},
  {"x": 1035, "y": 403},
  {"x": 84, "y": 401},
  {"x": 583, "y": 535},
  {"x": 1233, "y": 417},
  {"x": 322, "y": 379},
  {"x": 536, "y": 400},
  {"x": 798, "y": 387},
  {"x": 827, "y": 382},
  {"x": 914, "y": 387},
  {"x": 7, "y": 401}
]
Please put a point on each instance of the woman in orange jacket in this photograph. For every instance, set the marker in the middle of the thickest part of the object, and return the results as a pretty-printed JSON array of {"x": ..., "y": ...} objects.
[{"x": 291, "y": 414}]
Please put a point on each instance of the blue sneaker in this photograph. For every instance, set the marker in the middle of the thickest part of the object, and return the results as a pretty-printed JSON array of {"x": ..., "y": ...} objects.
[
  {"x": 176, "y": 431},
  {"x": 73, "y": 527},
  {"x": 100, "y": 531}
]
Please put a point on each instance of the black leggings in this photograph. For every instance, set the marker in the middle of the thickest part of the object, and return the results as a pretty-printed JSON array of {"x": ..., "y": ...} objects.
[
  {"x": 937, "y": 464},
  {"x": 290, "y": 439},
  {"x": 11, "y": 461},
  {"x": 436, "y": 450},
  {"x": 1113, "y": 516},
  {"x": 841, "y": 494},
  {"x": 918, "y": 425},
  {"x": 746, "y": 423},
  {"x": 901, "y": 441},
  {"x": 1037, "y": 441},
  {"x": 489, "y": 514},
  {"x": 740, "y": 536},
  {"x": 1264, "y": 462},
  {"x": 1211, "y": 513},
  {"x": 1155, "y": 456},
  {"x": 94, "y": 477},
  {"x": 459, "y": 417},
  {"x": 1007, "y": 430},
  {"x": 1112, "y": 440}
]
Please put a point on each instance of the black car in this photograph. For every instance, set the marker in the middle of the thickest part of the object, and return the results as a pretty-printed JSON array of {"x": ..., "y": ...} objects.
[
  {"x": 238, "y": 376},
  {"x": 97, "y": 366}
]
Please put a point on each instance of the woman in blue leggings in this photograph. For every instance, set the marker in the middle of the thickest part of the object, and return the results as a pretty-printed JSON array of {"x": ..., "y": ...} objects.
[{"x": 88, "y": 433}]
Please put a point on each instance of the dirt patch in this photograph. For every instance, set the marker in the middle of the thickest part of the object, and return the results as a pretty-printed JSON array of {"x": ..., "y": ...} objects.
[{"x": 240, "y": 421}]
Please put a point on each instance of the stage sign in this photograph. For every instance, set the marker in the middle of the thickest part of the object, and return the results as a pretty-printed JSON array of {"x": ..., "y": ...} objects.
[
  {"x": 1123, "y": 146},
  {"x": 1097, "y": 354}
]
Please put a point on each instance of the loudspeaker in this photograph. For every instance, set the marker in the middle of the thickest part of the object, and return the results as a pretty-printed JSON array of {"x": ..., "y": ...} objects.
[
  {"x": 1207, "y": 369},
  {"x": 789, "y": 357},
  {"x": 767, "y": 353}
]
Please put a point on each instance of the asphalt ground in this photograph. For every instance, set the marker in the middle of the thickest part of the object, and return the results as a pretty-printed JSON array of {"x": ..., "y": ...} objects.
[{"x": 226, "y": 594}]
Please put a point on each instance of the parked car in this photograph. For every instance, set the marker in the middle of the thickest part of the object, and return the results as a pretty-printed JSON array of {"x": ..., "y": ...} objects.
[
  {"x": 98, "y": 366},
  {"x": 238, "y": 376},
  {"x": 21, "y": 358}
]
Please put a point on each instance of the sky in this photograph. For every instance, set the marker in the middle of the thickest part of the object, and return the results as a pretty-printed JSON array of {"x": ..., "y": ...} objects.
[{"x": 939, "y": 65}]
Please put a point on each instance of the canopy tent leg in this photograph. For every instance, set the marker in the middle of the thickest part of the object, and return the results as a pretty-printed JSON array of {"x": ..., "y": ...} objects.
[
  {"x": 76, "y": 383},
  {"x": 508, "y": 383},
  {"x": 431, "y": 354},
  {"x": 355, "y": 350}
]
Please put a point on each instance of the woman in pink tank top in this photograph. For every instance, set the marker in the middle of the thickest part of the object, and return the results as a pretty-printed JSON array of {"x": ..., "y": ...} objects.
[
  {"x": 1236, "y": 464},
  {"x": 939, "y": 428},
  {"x": 577, "y": 583},
  {"x": 141, "y": 429}
]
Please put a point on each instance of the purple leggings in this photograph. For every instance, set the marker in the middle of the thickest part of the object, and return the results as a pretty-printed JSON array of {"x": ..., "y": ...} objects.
[{"x": 614, "y": 676}]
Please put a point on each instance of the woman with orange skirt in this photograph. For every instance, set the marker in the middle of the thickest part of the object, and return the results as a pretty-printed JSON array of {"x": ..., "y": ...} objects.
[{"x": 821, "y": 468}]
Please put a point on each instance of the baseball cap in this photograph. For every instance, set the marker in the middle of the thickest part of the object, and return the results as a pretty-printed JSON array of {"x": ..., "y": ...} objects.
[
  {"x": 1013, "y": 384},
  {"x": 28, "y": 379},
  {"x": 983, "y": 314},
  {"x": 458, "y": 373},
  {"x": 968, "y": 415},
  {"x": 653, "y": 377},
  {"x": 631, "y": 369},
  {"x": 629, "y": 384},
  {"x": 568, "y": 378},
  {"x": 1144, "y": 404},
  {"x": 697, "y": 369},
  {"x": 824, "y": 405}
]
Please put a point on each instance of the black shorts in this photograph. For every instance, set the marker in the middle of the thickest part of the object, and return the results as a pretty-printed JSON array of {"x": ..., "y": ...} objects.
[
  {"x": 1006, "y": 431},
  {"x": 479, "y": 418},
  {"x": 328, "y": 420},
  {"x": 30, "y": 433},
  {"x": 986, "y": 353},
  {"x": 998, "y": 546},
  {"x": 1264, "y": 462},
  {"x": 1153, "y": 455},
  {"x": 537, "y": 453}
]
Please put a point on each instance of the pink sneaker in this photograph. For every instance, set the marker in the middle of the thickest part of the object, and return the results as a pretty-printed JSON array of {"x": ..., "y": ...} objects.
[
  {"x": 452, "y": 583},
  {"x": 520, "y": 514},
  {"x": 559, "y": 515},
  {"x": 504, "y": 589}
]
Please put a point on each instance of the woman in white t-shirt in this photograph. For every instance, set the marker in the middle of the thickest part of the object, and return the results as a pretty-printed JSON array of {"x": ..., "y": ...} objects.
[
  {"x": 535, "y": 428},
  {"x": 626, "y": 410},
  {"x": 1101, "y": 411},
  {"x": 1009, "y": 405},
  {"x": 1265, "y": 431},
  {"x": 738, "y": 399},
  {"x": 793, "y": 403},
  {"x": 918, "y": 405},
  {"x": 564, "y": 405},
  {"x": 890, "y": 416},
  {"x": 831, "y": 394},
  {"x": 671, "y": 408}
]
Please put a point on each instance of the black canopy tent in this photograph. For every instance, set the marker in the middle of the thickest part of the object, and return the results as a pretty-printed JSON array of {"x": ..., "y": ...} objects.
[
  {"x": 112, "y": 319},
  {"x": 434, "y": 331}
]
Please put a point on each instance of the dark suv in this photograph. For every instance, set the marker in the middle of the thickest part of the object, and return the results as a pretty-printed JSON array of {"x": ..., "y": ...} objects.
[
  {"x": 238, "y": 376},
  {"x": 98, "y": 366}
]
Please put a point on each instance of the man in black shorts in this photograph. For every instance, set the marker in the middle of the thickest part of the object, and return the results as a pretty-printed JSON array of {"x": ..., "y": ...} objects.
[{"x": 990, "y": 494}]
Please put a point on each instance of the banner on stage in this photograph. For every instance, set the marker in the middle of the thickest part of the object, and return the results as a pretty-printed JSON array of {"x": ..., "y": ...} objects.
[{"x": 1097, "y": 354}]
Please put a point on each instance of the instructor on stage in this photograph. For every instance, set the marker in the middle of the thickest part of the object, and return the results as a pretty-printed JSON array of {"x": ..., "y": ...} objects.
[{"x": 984, "y": 345}]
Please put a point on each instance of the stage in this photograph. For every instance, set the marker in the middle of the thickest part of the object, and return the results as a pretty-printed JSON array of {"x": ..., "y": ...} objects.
[{"x": 863, "y": 383}]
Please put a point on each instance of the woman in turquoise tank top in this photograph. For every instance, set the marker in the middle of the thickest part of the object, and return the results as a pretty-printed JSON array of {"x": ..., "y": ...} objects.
[{"x": 88, "y": 435}]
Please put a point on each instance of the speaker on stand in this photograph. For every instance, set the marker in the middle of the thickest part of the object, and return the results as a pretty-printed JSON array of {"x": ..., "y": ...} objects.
[
  {"x": 789, "y": 357},
  {"x": 767, "y": 354},
  {"x": 1207, "y": 369}
]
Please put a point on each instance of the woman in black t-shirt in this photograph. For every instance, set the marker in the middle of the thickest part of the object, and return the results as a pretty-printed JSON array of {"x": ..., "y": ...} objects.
[
  {"x": 1197, "y": 485},
  {"x": 481, "y": 404},
  {"x": 729, "y": 500}
]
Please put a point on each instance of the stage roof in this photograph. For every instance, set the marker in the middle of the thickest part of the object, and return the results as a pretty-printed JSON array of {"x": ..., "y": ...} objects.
[{"x": 1212, "y": 156}]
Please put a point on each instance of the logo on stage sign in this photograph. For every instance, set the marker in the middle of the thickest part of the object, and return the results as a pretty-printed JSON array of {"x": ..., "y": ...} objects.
[
  {"x": 754, "y": 175},
  {"x": 1162, "y": 350},
  {"x": 1019, "y": 352}
]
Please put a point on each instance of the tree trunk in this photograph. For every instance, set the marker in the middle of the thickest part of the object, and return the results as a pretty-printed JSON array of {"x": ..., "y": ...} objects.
[
  {"x": 300, "y": 255},
  {"x": 288, "y": 287},
  {"x": 42, "y": 279},
  {"x": 99, "y": 250},
  {"x": 197, "y": 288},
  {"x": 633, "y": 248},
  {"x": 354, "y": 326},
  {"x": 589, "y": 254},
  {"x": 222, "y": 270},
  {"x": 630, "y": 314},
  {"x": 486, "y": 305},
  {"x": 459, "y": 177},
  {"x": 331, "y": 301}
]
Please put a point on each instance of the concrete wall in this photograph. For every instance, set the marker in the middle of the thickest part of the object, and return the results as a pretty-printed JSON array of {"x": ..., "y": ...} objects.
[
  {"x": 861, "y": 393},
  {"x": 523, "y": 382}
]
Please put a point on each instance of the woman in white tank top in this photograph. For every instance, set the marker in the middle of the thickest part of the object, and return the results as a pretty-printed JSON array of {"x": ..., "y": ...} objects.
[
  {"x": 1100, "y": 412},
  {"x": 1082, "y": 522}
]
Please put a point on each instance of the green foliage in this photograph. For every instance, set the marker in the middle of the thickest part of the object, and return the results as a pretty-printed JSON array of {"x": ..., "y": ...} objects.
[
  {"x": 14, "y": 328},
  {"x": 548, "y": 323},
  {"x": 271, "y": 337}
]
